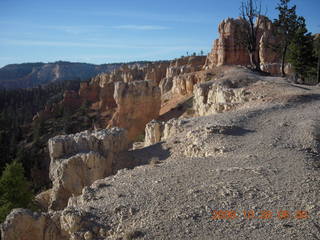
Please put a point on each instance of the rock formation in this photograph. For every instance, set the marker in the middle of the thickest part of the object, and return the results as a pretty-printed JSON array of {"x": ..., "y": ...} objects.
[
  {"x": 227, "y": 49},
  {"x": 185, "y": 65},
  {"x": 78, "y": 160},
  {"x": 210, "y": 98},
  {"x": 22, "y": 224},
  {"x": 184, "y": 84},
  {"x": 138, "y": 102},
  {"x": 157, "y": 131},
  {"x": 182, "y": 75},
  {"x": 156, "y": 71},
  {"x": 153, "y": 132}
]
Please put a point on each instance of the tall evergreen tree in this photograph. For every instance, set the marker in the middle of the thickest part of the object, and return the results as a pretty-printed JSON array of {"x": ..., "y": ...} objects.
[
  {"x": 287, "y": 25},
  {"x": 14, "y": 190},
  {"x": 300, "y": 51}
]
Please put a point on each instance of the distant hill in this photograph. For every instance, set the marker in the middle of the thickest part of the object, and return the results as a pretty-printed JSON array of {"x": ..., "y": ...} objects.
[{"x": 28, "y": 75}]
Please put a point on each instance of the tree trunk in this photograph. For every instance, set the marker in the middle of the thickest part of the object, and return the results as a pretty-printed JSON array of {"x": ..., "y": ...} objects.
[
  {"x": 283, "y": 73},
  {"x": 258, "y": 67},
  {"x": 252, "y": 60},
  {"x": 255, "y": 64},
  {"x": 318, "y": 68}
]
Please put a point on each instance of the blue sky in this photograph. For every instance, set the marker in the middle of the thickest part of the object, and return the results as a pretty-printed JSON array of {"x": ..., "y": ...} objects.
[{"x": 105, "y": 31}]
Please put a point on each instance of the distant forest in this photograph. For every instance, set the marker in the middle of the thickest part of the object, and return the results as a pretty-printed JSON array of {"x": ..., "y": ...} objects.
[{"x": 21, "y": 139}]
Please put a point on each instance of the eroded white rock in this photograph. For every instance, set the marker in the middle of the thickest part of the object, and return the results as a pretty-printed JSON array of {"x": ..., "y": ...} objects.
[{"x": 78, "y": 160}]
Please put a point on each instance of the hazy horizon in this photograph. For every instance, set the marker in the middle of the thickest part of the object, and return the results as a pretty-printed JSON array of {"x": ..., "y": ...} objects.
[{"x": 100, "y": 32}]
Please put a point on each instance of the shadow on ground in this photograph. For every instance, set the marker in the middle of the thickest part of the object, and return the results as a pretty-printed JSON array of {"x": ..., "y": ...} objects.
[
  {"x": 144, "y": 156},
  {"x": 237, "y": 131}
]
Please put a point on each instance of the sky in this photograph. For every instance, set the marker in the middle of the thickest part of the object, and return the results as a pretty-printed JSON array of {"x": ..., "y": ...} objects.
[{"x": 106, "y": 31}]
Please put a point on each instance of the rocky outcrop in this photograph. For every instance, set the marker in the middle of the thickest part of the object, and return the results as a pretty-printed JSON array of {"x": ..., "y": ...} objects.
[
  {"x": 184, "y": 84},
  {"x": 78, "y": 160},
  {"x": 185, "y": 65},
  {"x": 153, "y": 132},
  {"x": 182, "y": 75},
  {"x": 69, "y": 224},
  {"x": 227, "y": 49},
  {"x": 154, "y": 71},
  {"x": 165, "y": 85},
  {"x": 211, "y": 98},
  {"x": 157, "y": 131},
  {"x": 179, "y": 75},
  {"x": 22, "y": 224},
  {"x": 138, "y": 102}
]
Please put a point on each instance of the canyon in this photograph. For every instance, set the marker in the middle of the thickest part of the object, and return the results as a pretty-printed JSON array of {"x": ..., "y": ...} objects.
[{"x": 216, "y": 135}]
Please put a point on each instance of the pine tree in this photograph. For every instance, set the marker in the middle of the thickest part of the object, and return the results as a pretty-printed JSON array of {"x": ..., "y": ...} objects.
[
  {"x": 14, "y": 190},
  {"x": 300, "y": 52},
  {"x": 287, "y": 25}
]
